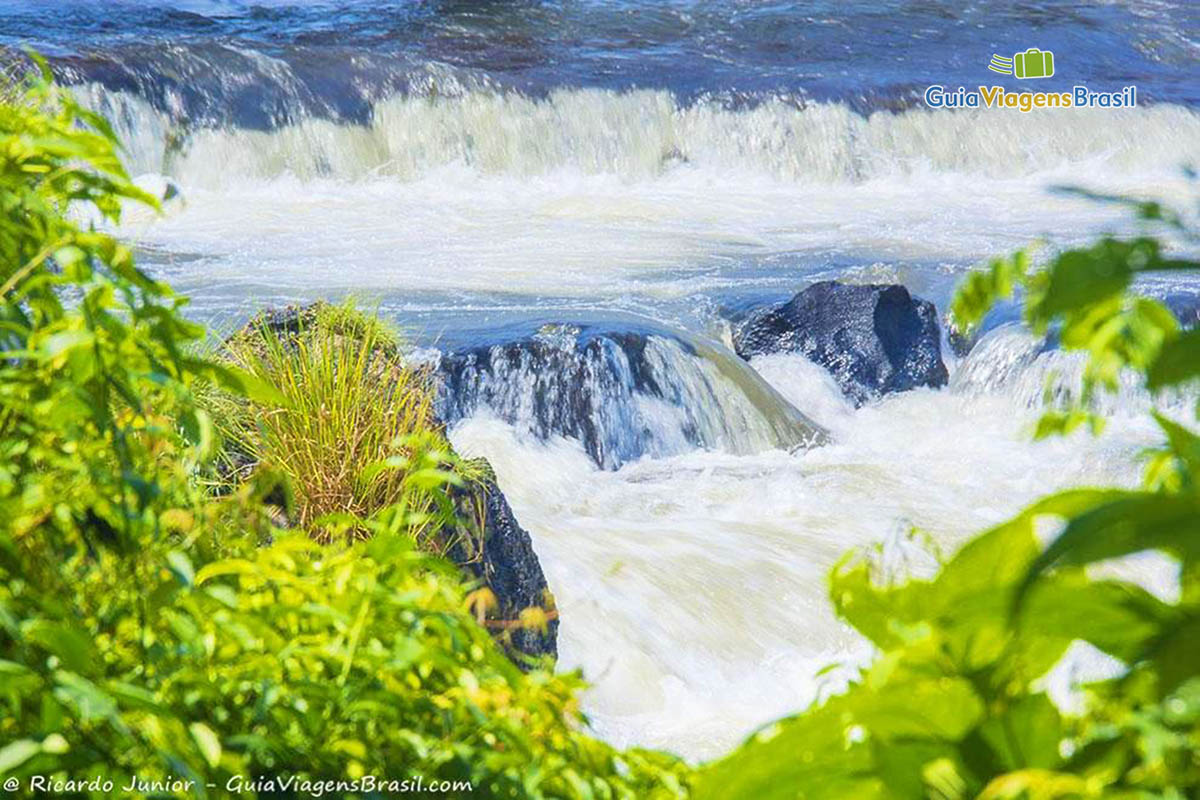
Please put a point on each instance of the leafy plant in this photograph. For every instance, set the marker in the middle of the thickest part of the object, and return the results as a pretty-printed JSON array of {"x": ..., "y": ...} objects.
[
  {"x": 150, "y": 629},
  {"x": 954, "y": 705},
  {"x": 350, "y": 400}
]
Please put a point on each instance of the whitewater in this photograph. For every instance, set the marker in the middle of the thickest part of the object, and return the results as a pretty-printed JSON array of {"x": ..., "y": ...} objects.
[
  {"x": 477, "y": 203},
  {"x": 691, "y": 586}
]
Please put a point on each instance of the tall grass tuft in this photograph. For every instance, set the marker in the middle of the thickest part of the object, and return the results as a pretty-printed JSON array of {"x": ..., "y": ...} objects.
[{"x": 351, "y": 401}]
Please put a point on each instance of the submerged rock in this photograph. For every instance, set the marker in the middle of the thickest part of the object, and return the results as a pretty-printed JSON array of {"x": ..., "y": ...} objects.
[
  {"x": 874, "y": 339},
  {"x": 492, "y": 547},
  {"x": 622, "y": 394}
]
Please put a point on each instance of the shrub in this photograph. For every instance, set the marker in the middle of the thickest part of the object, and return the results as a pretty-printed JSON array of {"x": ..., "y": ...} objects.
[
  {"x": 349, "y": 399},
  {"x": 145, "y": 628}
]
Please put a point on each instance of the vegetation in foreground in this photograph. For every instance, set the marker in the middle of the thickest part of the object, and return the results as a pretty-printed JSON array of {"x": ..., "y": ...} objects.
[
  {"x": 347, "y": 397},
  {"x": 150, "y": 627}
]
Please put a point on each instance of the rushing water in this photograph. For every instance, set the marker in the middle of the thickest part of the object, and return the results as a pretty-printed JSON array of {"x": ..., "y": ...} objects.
[{"x": 601, "y": 183}]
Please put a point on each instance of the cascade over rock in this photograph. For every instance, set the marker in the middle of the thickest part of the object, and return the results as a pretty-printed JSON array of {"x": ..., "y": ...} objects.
[
  {"x": 622, "y": 394},
  {"x": 874, "y": 339}
]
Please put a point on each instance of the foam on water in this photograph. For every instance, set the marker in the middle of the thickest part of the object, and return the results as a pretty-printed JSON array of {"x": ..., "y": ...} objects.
[
  {"x": 692, "y": 588},
  {"x": 642, "y": 134},
  {"x": 624, "y": 199}
]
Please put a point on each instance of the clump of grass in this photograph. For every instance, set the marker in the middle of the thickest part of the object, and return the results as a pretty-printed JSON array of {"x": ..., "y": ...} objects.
[{"x": 350, "y": 402}]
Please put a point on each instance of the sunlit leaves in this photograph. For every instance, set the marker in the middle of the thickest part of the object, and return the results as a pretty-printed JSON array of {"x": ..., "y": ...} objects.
[
  {"x": 1128, "y": 523},
  {"x": 17, "y": 753},
  {"x": 982, "y": 289},
  {"x": 1179, "y": 361},
  {"x": 151, "y": 628},
  {"x": 207, "y": 741}
]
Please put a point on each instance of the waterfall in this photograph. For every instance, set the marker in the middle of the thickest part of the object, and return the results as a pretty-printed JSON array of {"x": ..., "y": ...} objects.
[
  {"x": 623, "y": 395},
  {"x": 638, "y": 135},
  {"x": 1033, "y": 373}
]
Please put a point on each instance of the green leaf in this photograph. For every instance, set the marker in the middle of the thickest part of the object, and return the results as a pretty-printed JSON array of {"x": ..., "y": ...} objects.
[
  {"x": 1177, "y": 653},
  {"x": 72, "y": 646},
  {"x": 207, "y": 742},
  {"x": 1118, "y": 618},
  {"x": 1025, "y": 735},
  {"x": 131, "y": 696},
  {"x": 60, "y": 343},
  {"x": 181, "y": 567},
  {"x": 910, "y": 705},
  {"x": 1178, "y": 361},
  {"x": 1078, "y": 278},
  {"x": 88, "y": 699},
  {"x": 55, "y": 744},
  {"x": 17, "y": 753},
  {"x": 981, "y": 289},
  {"x": 1129, "y": 523},
  {"x": 238, "y": 381},
  {"x": 807, "y": 756}
]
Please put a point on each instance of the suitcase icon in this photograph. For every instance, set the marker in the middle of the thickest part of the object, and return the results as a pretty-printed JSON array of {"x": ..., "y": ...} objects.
[{"x": 1033, "y": 63}]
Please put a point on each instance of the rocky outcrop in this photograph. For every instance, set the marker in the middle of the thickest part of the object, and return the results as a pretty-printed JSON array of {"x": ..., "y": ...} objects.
[
  {"x": 873, "y": 339},
  {"x": 491, "y": 547},
  {"x": 622, "y": 394},
  {"x": 506, "y": 564}
]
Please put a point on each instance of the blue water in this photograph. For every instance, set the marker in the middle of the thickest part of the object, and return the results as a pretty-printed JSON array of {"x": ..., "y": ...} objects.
[
  {"x": 341, "y": 55},
  {"x": 184, "y": 81}
]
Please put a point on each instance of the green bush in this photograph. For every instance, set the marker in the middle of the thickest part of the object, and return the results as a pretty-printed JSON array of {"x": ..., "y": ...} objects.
[
  {"x": 151, "y": 629},
  {"x": 348, "y": 396},
  {"x": 952, "y": 705}
]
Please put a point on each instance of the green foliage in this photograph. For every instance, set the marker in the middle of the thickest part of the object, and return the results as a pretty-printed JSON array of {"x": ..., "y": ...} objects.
[
  {"x": 349, "y": 401},
  {"x": 953, "y": 705},
  {"x": 151, "y": 629},
  {"x": 1083, "y": 296},
  {"x": 330, "y": 662}
]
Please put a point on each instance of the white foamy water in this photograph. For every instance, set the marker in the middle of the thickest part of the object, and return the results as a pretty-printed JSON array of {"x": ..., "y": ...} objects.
[
  {"x": 691, "y": 587},
  {"x": 645, "y": 134},
  {"x": 626, "y": 199}
]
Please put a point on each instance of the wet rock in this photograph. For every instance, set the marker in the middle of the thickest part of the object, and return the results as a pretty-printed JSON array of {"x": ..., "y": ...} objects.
[
  {"x": 873, "y": 339},
  {"x": 1185, "y": 306},
  {"x": 499, "y": 553},
  {"x": 623, "y": 394}
]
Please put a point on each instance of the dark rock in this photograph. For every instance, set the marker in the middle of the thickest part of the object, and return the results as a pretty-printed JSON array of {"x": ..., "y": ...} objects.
[
  {"x": 874, "y": 339},
  {"x": 499, "y": 554},
  {"x": 1185, "y": 306},
  {"x": 555, "y": 382},
  {"x": 288, "y": 320},
  {"x": 623, "y": 394}
]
